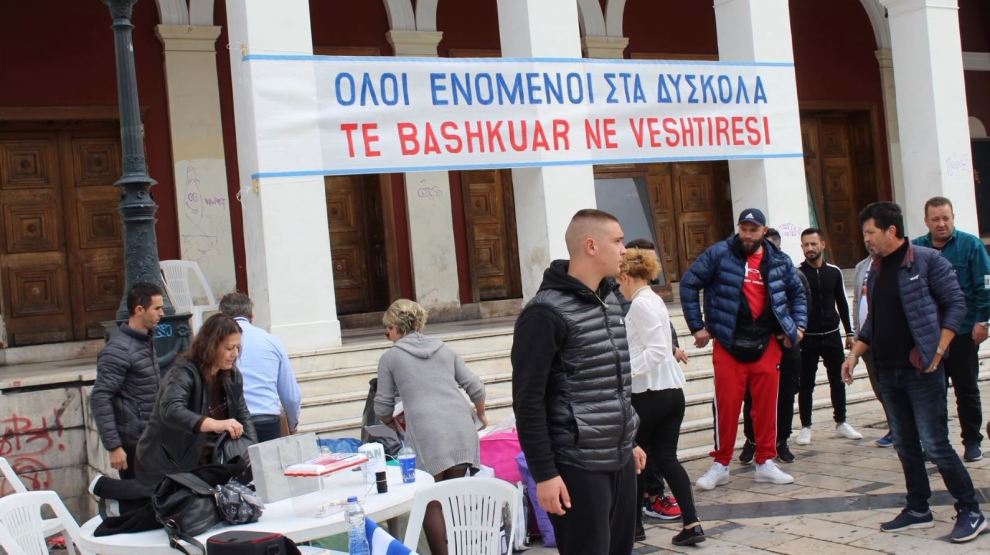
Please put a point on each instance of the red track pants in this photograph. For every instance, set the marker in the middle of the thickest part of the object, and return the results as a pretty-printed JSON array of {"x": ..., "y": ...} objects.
[{"x": 731, "y": 379}]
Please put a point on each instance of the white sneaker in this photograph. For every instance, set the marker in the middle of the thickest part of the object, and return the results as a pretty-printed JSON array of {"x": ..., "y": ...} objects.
[
  {"x": 804, "y": 436},
  {"x": 846, "y": 431},
  {"x": 717, "y": 475},
  {"x": 770, "y": 472}
]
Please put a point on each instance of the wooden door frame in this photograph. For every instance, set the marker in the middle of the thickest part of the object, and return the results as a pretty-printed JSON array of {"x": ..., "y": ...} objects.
[
  {"x": 821, "y": 106},
  {"x": 391, "y": 243},
  {"x": 511, "y": 235}
]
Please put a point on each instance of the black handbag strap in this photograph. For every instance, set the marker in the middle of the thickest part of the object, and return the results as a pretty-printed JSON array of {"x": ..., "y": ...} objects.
[
  {"x": 174, "y": 535},
  {"x": 193, "y": 482}
]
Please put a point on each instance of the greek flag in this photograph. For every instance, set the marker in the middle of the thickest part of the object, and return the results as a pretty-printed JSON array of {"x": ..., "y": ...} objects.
[{"x": 382, "y": 543}]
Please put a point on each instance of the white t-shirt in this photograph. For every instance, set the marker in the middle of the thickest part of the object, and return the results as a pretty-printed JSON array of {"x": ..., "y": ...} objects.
[{"x": 650, "y": 354}]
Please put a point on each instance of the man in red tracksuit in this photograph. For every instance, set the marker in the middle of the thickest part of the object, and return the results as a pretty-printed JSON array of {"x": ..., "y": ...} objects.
[{"x": 754, "y": 303}]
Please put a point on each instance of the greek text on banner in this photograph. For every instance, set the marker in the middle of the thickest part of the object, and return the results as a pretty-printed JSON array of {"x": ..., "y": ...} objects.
[{"x": 384, "y": 115}]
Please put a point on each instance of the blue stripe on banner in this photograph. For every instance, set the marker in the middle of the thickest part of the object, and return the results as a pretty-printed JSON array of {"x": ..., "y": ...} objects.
[
  {"x": 393, "y": 59},
  {"x": 457, "y": 167}
]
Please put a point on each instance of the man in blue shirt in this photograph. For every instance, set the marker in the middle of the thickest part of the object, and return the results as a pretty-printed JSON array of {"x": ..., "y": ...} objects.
[
  {"x": 972, "y": 265},
  {"x": 269, "y": 383}
]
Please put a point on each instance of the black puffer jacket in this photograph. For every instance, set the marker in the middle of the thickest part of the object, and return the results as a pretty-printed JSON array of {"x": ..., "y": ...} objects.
[
  {"x": 127, "y": 378},
  {"x": 172, "y": 442},
  {"x": 571, "y": 382}
]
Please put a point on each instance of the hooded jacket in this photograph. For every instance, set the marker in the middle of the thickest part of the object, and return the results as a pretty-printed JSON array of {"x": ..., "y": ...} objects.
[
  {"x": 127, "y": 378},
  {"x": 571, "y": 380},
  {"x": 719, "y": 271},
  {"x": 172, "y": 441}
]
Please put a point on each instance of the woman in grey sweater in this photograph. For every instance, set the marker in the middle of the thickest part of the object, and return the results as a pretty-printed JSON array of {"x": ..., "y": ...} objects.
[{"x": 428, "y": 376}]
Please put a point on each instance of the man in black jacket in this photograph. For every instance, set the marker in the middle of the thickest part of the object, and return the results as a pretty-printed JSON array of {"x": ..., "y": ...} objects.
[
  {"x": 127, "y": 378},
  {"x": 571, "y": 388},
  {"x": 822, "y": 339}
]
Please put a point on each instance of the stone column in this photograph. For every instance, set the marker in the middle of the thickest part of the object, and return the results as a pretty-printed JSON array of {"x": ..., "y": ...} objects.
[
  {"x": 546, "y": 197},
  {"x": 197, "y": 151},
  {"x": 286, "y": 235},
  {"x": 931, "y": 107},
  {"x": 760, "y": 30},
  {"x": 886, "y": 61},
  {"x": 431, "y": 220},
  {"x": 604, "y": 47}
]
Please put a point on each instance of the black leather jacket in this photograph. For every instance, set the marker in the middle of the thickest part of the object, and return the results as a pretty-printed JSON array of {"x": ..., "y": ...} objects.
[
  {"x": 571, "y": 379},
  {"x": 171, "y": 442}
]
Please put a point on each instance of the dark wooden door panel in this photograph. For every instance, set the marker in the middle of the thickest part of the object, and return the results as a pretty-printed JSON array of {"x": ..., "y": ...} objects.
[
  {"x": 356, "y": 242},
  {"x": 491, "y": 227},
  {"x": 36, "y": 298},
  {"x": 659, "y": 184},
  {"x": 696, "y": 207}
]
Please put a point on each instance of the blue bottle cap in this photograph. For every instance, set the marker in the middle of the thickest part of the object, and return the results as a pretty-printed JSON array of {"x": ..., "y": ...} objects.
[{"x": 352, "y": 499}]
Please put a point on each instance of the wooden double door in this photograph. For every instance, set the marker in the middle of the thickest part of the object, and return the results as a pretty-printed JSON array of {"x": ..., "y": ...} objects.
[
  {"x": 490, "y": 229},
  {"x": 839, "y": 164},
  {"x": 61, "y": 254}
]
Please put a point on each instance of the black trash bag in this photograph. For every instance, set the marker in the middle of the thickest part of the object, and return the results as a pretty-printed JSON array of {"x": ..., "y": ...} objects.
[{"x": 389, "y": 439}]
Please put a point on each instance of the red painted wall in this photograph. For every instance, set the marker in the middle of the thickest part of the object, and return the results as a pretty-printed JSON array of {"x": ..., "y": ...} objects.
[
  {"x": 468, "y": 25},
  {"x": 974, "y": 28},
  {"x": 350, "y": 23},
  {"x": 59, "y": 53}
]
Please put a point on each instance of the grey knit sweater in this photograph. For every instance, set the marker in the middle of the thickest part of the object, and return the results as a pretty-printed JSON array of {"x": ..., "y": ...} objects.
[{"x": 428, "y": 375}]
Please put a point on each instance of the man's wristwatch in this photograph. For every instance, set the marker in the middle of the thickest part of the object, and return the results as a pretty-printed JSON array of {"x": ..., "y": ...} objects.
[{"x": 939, "y": 351}]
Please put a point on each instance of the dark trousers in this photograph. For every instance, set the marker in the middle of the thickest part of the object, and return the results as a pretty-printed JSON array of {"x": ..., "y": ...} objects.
[
  {"x": 919, "y": 420},
  {"x": 829, "y": 349},
  {"x": 660, "y": 416},
  {"x": 871, "y": 371},
  {"x": 267, "y": 426},
  {"x": 963, "y": 367},
  {"x": 131, "y": 452},
  {"x": 602, "y": 517},
  {"x": 790, "y": 369}
]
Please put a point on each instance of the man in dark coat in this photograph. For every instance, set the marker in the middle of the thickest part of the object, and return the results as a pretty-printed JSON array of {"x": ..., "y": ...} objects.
[{"x": 127, "y": 378}]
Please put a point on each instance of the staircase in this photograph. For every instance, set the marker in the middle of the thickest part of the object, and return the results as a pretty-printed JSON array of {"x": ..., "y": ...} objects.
[{"x": 335, "y": 383}]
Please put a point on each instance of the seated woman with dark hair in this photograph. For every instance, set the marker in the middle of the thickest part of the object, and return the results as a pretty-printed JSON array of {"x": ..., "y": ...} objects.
[{"x": 200, "y": 397}]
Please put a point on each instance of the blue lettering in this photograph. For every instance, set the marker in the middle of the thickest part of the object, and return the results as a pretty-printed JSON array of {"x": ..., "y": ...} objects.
[
  {"x": 663, "y": 93},
  {"x": 759, "y": 93},
  {"x": 436, "y": 86},
  {"x": 390, "y": 83},
  {"x": 609, "y": 78},
  {"x": 368, "y": 90},
  {"x": 505, "y": 93},
  {"x": 533, "y": 87},
  {"x": 638, "y": 94},
  {"x": 689, "y": 81},
  {"x": 460, "y": 88},
  {"x": 724, "y": 89},
  {"x": 707, "y": 85},
  {"x": 481, "y": 89},
  {"x": 350, "y": 86},
  {"x": 741, "y": 91},
  {"x": 554, "y": 90},
  {"x": 575, "y": 88}
]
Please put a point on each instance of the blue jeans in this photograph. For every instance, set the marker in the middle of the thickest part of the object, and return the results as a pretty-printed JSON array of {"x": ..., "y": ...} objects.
[{"x": 915, "y": 404}]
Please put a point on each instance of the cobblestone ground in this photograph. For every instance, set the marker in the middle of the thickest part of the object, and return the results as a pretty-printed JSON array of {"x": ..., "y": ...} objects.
[{"x": 842, "y": 490}]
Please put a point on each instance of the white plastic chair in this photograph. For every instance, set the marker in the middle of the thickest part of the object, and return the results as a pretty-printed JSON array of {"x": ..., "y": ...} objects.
[
  {"x": 52, "y": 526},
  {"x": 23, "y": 531},
  {"x": 177, "y": 284},
  {"x": 472, "y": 512}
]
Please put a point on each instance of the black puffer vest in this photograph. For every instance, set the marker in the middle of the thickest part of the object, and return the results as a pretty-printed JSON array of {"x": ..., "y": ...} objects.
[{"x": 590, "y": 417}]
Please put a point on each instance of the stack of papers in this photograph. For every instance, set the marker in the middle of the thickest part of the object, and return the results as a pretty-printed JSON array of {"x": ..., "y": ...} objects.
[{"x": 326, "y": 464}]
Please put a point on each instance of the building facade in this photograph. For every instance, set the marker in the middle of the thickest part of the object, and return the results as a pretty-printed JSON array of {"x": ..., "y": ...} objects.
[{"x": 894, "y": 100}]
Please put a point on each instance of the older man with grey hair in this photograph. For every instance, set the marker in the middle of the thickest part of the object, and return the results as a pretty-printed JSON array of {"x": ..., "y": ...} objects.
[{"x": 269, "y": 384}]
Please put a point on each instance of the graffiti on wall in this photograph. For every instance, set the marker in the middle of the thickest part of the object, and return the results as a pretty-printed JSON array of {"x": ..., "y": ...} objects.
[{"x": 24, "y": 441}]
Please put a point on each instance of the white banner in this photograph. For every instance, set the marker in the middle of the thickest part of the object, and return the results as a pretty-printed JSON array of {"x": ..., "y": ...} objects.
[{"x": 385, "y": 114}]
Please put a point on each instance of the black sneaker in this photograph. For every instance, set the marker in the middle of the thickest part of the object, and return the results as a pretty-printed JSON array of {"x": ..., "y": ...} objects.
[
  {"x": 972, "y": 452},
  {"x": 907, "y": 520},
  {"x": 968, "y": 526},
  {"x": 784, "y": 453},
  {"x": 640, "y": 533},
  {"x": 689, "y": 536},
  {"x": 748, "y": 450}
]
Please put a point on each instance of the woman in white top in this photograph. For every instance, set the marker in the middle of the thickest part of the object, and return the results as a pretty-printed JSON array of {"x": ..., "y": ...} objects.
[{"x": 656, "y": 384}]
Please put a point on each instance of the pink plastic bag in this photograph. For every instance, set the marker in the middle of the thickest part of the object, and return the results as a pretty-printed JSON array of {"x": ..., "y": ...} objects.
[{"x": 499, "y": 450}]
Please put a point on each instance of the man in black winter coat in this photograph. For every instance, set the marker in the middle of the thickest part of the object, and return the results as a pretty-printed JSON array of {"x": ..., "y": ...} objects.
[
  {"x": 127, "y": 377},
  {"x": 571, "y": 388}
]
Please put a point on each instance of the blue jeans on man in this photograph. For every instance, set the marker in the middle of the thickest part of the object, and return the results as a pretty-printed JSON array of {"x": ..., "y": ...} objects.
[{"x": 916, "y": 406}]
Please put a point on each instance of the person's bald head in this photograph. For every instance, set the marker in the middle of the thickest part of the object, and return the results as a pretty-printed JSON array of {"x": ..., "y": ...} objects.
[
  {"x": 586, "y": 224},
  {"x": 594, "y": 240}
]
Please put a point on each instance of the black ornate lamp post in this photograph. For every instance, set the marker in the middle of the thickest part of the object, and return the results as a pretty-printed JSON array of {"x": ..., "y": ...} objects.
[{"x": 136, "y": 205}]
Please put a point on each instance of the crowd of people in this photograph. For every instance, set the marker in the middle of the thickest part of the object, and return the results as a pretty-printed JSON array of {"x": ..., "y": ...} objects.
[
  {"x": 596, "y": 377},
  {"x": 598, "y": 396}
]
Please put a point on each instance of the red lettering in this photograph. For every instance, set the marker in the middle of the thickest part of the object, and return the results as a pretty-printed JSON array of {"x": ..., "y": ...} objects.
[
  {"x": 560, "y": 130},
  {"x": 608, "y": 126},
  {"x": 722, "y": 130},
  {"x": 637, "y": 129},
  {"x": 752, "y": 131},
  {"x": 448, "y": 130},
  {"x": 430, "y": 143},
  {"x": 673, "y": 137},
  {"x": 539, "y": 137},
  {"x": 370, "y": 137},
  {"x": 408, "y": 142},
  {"x": 348, "y": 129}
]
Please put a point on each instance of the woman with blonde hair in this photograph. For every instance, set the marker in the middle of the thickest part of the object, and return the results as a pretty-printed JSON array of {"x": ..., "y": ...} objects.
[
  {"x": 429, "y": 376},
  {"x": 657, "y": 380}
]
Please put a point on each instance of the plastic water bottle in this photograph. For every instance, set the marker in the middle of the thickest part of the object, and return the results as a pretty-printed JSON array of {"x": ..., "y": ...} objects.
[
  {"x": 407, "y": 462},
  {"x": 356, "y": 535}
]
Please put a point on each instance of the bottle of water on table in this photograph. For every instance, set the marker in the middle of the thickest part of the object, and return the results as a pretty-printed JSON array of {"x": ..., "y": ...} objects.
[
  {"x": 356, "y": 535},
  {"x": 407, "y": 461}
]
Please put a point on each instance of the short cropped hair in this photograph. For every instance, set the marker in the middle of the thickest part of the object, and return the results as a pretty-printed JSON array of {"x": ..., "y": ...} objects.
[
  {"x": 406, "y": 316},
  {"x": 641, "y": 264},
  {"x": 935, "y": 202},
  {"x": 140, "y": 295},
  {"x": 813, "y": 231},
  {"x": 641, "y": 244},
  {"x": 237, "y": 305},
  {"x": 884, "y": 214}
]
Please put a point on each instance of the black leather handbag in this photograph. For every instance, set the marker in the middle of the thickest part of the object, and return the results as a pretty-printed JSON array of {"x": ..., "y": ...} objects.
[{"x": 185, "y": 506}]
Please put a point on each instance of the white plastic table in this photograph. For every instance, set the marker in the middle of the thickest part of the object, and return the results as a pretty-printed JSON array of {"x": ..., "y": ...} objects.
[{"x": 282, "y": 516}]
